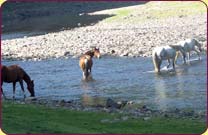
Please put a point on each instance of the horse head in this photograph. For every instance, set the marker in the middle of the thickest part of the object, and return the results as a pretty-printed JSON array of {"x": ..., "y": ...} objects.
[
  {"x": 97, "y": 52},
  {"x": 30, "y": 88}
]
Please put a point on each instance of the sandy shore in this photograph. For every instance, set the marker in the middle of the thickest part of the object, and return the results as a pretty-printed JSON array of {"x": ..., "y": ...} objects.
[{"x": 117, "y": 39}]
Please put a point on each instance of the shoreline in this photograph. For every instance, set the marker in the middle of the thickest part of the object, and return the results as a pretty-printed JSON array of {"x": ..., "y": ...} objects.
[
  {"x": 62, "y": 120},
  {"x": 128, "y": 108}
]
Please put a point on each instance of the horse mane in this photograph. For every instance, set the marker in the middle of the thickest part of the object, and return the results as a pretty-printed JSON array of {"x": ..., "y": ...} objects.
[
  {"x": 90, "y": 53},
  {"x": 26, "y": 77}
]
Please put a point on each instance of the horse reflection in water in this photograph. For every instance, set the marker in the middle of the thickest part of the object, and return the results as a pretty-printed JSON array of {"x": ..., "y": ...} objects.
[
  {"x": 89, "y": 100},
  {"x": 160, "y": 92},
  {"x": 13, "y": 74},
  {"x": 86, "y": 63}
]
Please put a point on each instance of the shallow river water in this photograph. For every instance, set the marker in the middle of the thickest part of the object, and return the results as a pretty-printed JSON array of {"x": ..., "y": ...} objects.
[{"x": 130, "y": 79}]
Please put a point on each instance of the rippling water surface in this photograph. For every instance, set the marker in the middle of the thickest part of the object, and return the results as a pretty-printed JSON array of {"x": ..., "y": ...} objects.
[{"x": 119, "y": 79}]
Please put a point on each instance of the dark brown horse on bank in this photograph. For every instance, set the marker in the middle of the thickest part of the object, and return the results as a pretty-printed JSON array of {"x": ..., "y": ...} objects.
[
  {"x": 86, "y": 62},
  {"x": 13, "y": 74}
]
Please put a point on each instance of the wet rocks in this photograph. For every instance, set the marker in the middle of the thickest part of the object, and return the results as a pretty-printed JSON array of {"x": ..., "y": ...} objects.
[
  {"x": 62, "y": 103},
  {"x": 110, "y": 103},
  {"x": 125, "y": 113},
  {"x": 114, "y": 120},
  {"x": 105, "y": 121},
  {"x": 30, "y": 99},
  {"x": 146, "y": 118}
]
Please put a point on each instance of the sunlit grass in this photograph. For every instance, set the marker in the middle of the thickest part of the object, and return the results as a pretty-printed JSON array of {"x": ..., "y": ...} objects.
[
  {"x": 155, "y": 10},
  {"x": 22, "y": 118}
]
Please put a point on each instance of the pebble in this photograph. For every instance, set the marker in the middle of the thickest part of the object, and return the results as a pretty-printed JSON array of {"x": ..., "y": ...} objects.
[
  {"x": 146, "y": 118},
  {"x": 105, "y": 121},
  {"x": 125, "y": 118}
]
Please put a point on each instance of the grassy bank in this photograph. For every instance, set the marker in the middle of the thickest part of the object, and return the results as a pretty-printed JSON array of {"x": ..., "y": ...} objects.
[
  {"x": 154, "y": 10},
  {"x": 21, "y": 118}
]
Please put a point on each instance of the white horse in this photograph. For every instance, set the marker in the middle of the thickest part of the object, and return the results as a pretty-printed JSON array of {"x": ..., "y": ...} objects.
[
  {"x": 163, "y": 53},
  {"x": 180, "y": 49},
  {"x": 190, "y": 45}
]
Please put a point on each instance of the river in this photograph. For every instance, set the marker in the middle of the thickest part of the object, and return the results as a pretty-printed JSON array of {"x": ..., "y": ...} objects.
[{"x": 130, "y": 79}]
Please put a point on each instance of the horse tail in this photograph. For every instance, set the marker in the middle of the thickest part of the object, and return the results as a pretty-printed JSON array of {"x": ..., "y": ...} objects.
[
  {"x": 86, "y": 73},
  {"x": 155, "y": 60},
  {"x": 176, "y": 57}
]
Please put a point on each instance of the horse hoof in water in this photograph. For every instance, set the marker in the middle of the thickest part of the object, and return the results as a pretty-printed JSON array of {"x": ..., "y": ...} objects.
[
  {"x": 88, "y": 79},
  {"x": 171, "y": 70}
]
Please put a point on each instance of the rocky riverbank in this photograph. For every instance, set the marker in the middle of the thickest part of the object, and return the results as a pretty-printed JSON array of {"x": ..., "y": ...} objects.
[
  {"x": 128, "y": 109},
  {"x": 116, "y": 39}
]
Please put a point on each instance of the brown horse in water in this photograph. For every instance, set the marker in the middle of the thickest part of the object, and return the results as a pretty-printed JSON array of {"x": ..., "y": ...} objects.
[
  {"x": 13, "y": 74},
  {"x": 86, "y": 62}
]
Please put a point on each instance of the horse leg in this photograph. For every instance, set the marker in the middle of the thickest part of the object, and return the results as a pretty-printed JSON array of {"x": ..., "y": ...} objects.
[
  {"x": 198, "y": 53},
  {"x": 90, "y": 71},
  {"x": 3, "y": 93},
  {"x": 184, "y": 58},
  {"x": 189, "y": 55},
  {"x": 173, "y": 61},
  {"x": 22, "y": 87},
  {"x": 83, "y": 74},
  {"x": 183, "y": 52},
  {"x": 86, "y": 73},
  {"x": 168, "y": 63},
  {"x": 159, "y": 64},
  {"x": 2, "y": 89},
  {"x": 176, "y": 57},
  {"x": 14, "y": 85}
]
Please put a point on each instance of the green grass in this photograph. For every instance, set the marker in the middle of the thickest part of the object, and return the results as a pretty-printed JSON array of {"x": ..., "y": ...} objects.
[
  {"x": 119, "y": 15},
  {"x": 155, "y": 10},
  {"x": 20, "y": 118}
]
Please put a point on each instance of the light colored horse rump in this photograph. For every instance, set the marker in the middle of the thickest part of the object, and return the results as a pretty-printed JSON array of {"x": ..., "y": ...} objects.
[
  {"x": 163, "y": 53},
  {"x": 85, "y": 64}
]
